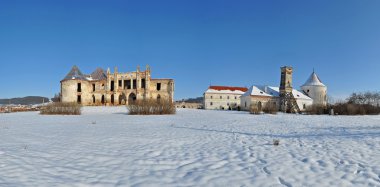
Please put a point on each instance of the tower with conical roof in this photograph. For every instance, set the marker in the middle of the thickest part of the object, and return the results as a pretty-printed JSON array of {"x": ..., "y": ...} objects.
[{"x": 315, "y": 89}]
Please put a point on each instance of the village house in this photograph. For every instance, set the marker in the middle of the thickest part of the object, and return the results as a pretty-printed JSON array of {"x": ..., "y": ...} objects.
[
  {"x": 223, "y": 97},
  {"x": 105, "y": 88}
]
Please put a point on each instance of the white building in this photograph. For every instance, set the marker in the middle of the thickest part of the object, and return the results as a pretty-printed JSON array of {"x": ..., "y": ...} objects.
[
  {"x": 260, "y": 96},
  {"x": 313, "y": 92},
  {"x": 316, "y": 90},
  {"x": 223, "y": 97}
]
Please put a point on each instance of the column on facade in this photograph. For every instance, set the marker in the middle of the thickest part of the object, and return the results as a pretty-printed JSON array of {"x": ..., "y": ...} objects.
[
  {"x": 122, "y": 82},
  {"x": 138, "y": 80},
  {"x": 131, "y": 81}
]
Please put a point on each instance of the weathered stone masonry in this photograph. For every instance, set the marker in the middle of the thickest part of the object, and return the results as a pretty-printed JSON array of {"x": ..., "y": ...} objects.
[{"x": 106, "y": 88}]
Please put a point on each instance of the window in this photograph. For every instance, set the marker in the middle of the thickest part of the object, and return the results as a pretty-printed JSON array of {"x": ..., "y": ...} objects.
[
  {"x": 93, "y": 87},
  {"x": 158, "y": 86},
  {"x": 79, "y": 99},
  {"x": 221, "y": 97},
  {"x": 79, "y": 88},
  {"x": 134, "y": 84},
  {"x": 211, "y": 103},
  {"x": 120, "y": 82},
  {"x": 228, "y": 97},
  {"x": 245, "y": 104},
  {"x": 228, "y": 104},
  {"x": 210, "y": 97},
  {"x": 304, "y": 106},
  {"x": 112, "y": 85},
  {"x": 235, "y": 97},
  {"x": 127, "y": 84},
  {"x": 93, "y": 99},
  {"x": 142, "y": 83}
]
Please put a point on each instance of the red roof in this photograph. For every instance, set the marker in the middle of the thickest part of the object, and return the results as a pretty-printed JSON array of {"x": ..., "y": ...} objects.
[{"x": 243, "y": 89}]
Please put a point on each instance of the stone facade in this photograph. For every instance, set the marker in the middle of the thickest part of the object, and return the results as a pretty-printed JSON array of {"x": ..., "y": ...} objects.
[{"x": 106, "y": 88}]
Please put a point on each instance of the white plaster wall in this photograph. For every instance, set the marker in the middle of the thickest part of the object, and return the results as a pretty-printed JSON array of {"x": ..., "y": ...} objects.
[
  {"x": 218, "y": 103},
  {"x": 245, "y": 103},
  {"x": 317, "y": 93},
  {"x": 302, "y": 102}
]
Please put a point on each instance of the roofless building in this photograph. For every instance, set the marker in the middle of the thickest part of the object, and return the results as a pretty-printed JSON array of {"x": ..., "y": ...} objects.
[{"x": 105, "y": 88}]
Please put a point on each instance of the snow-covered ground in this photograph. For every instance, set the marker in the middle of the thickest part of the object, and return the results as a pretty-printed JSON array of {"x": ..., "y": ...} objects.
[{"x": 106, "y": 147}]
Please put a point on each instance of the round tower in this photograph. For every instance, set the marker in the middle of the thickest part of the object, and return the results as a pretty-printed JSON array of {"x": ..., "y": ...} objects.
[{"x": 315, "y": 89}]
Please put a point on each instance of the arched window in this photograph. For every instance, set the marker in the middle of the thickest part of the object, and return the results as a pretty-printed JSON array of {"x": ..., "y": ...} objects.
[
  {"x": 93, "y": 99},
  {"x": 103, "y": 100},
  {"x": 112, "y": 99},
  {"x": 122, "y": 99},
  {"x": 132, "y": 98}
]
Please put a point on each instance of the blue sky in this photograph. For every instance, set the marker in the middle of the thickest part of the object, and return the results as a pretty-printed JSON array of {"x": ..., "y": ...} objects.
[{"x": 198, "y": 43}]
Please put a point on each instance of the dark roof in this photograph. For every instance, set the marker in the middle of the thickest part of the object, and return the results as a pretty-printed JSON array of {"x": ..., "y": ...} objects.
[
  {"x": 243, "y": 89},
  {"x": 99, "y": 74},
  {"x": 75, "y": 73}
]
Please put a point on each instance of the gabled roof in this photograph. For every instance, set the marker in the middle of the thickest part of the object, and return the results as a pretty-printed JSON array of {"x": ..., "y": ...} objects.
[
  {"x": 219, "y": 88},
  {"x": 99, "y": 74},
  {"x": 257, "y": 91},
  {"x": 226, "y": 90},
  {"x": 75, "y": 73},
  {"x": 313, "y": 81},
  {"x": 271, "y": 91}
]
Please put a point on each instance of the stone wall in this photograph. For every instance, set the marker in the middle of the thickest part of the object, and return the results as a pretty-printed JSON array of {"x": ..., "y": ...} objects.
[{"x": 117, "y": 89}]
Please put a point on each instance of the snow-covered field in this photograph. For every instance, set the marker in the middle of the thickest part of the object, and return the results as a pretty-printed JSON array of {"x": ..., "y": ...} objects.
[{"x": 106, "y": 147}]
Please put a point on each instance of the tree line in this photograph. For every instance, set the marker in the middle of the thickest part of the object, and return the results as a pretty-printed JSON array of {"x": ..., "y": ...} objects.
[{"x": 366, "y": 98}]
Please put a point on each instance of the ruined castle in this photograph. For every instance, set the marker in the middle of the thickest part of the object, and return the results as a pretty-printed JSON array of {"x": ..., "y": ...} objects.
[{"x": 105, "y": 88}]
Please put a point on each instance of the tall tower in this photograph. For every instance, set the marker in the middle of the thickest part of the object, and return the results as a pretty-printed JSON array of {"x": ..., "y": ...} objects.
[
  {"x": 287, "y": 101},
  {"x": 315, "y": 89},
  {"x": 286, "y": 80}
]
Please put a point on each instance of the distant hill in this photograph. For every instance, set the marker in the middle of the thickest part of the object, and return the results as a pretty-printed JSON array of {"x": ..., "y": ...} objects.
[
  {"x": 192, "y": 100},
  {"x": 30, "y": 100}
]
